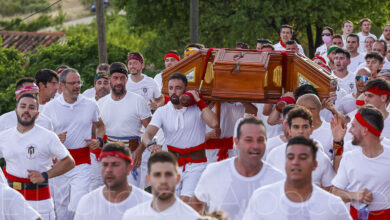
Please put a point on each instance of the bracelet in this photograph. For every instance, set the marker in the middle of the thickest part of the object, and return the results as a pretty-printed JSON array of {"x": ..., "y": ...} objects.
[
  {"x": 101, "y": 142},
  {"x": 45, "y": 175},
  {"x": 201, "y": 104},
  {"x": 338, "y": 147}
]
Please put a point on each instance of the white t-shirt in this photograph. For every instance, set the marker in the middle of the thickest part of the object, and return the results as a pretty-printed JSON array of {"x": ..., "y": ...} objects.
[
  {"x": 183, "y": 128},
  {"x": 272, "y": 130},
  {"x": 95, "y": 206},
  {"x": 323, "y": 134},
  {"x": 362, "y": 39},
  {"x": 348, "y": 104},
  {"x": 278, "y": 46},
  {"x": 90, "y": 93},
  {"x": 386, "y": 128},
  {"x": 146, "y": 88},
  {"x": 9, "y": 120},
  {"x": 76, "y": 119},
  {"x": 270, "y": 202},
  {"x": 321, "y": 176},
  {"x": 356, "y": 172},
  {"x": 123, "y": 118},
  {"x": 223, "y": 188},
  {"x": 271, "y": 144},
  {"x": 2, "y": 178},
  {"x": 323, "y": 52},
  {"x": 178, "y": 210},
  {"x": 347, "y": 83},
  {"x": 14, "y": 207},
  {"x": 356, "y": 62},
  {"x": 158, "y": 80}
]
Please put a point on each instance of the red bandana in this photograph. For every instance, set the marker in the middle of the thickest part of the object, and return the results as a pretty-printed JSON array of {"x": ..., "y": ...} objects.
[
  {"x": 378, "y": 91},
  {"x": 283, "y": 44},
  {"x": 26, "y": 89},
  {"x": 172, "y": 55},
  {"x": 370, "y": 128},
  {"x": 116, "y": 154}
]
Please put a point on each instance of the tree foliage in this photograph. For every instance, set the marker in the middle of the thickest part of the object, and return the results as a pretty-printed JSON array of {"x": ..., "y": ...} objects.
[
  {"x": 224, "y": 23},
  {"x": 42, "y": 21},
  {"x": 12, "y": 7}
]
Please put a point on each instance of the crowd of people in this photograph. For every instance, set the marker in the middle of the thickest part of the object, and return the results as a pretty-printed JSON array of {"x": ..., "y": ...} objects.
[{"x": 124, "y": 150}]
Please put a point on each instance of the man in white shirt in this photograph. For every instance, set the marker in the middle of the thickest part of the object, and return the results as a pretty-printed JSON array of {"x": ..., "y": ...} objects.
[
  {"x": 365, "y": 27},
  {"x": 163, "y": 177},
  {"x": 74, "y": 115},
  {"x": 14, "y": 207},
  {"x": 356, "y": 57},
  {"x": 347, "y": 29},
  {"x": 286, "y": 34},
  {"x": 9, "y": 119},
  {"x": 228, "y": 185},
  {"x": 386, "y": 33},
  {"x": 101, "y": 84},
  {"x": 374, "y": 62},
  {"x": 28, "y": 150},
  {"x": 170, "y": 59},
  {"x": 47, "y": 81},
  {"x": 117, "y": 195},
  {"x": 296, "y": 197},
  {"x": 142, "y": 84},
  {"x": 300, "y": 122},
  {"x": 124, "y": 113},
  {"x": 184, "y": 130},
  {"x": 361, "y": 177},
  {"x": 345, "y": 78}
]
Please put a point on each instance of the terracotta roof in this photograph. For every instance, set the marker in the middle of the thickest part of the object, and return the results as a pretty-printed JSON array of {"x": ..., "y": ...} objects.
[{"x": 28, "y": 41}]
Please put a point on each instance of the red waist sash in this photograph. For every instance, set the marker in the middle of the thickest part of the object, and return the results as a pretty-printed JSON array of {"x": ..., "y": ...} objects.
[
  {"x": 182, "y": 161},
  {"x": 223, "y": 144},
  {"x": 80, "y": 155},
  {"x": 41, "y": 193},
  {"x": 374, "y": 215}
]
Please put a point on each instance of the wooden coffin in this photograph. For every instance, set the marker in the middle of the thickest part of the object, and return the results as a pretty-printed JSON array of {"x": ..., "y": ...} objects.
[{"x": 249, "y": 75}]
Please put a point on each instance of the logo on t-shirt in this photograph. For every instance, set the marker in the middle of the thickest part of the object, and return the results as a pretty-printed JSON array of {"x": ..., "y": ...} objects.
[
  {"x": 145, "y": 91},
  {"x": 31, "y": 151}
]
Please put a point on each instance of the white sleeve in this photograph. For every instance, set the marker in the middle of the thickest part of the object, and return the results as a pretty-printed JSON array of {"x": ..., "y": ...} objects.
[
  {"x": 156, "y": 90},
  {"x": 341, "y": 179},
  {"x": 16, "y": 207},
  {"x": 328, "y": 171},
  {"x": 96, "y": 113},
  {"x": 157, "y": 119},
  {"x": 203, "y": 187},
  {"x": 143, "y": 109},
  {"x": 341, "y": 211},
  {"x": 57, "y": 149}
]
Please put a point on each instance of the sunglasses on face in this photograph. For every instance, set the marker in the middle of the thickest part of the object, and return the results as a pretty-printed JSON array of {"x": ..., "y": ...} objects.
[
  {"x": 325, "y": 34},
  {"x": 362, "y": 78}
]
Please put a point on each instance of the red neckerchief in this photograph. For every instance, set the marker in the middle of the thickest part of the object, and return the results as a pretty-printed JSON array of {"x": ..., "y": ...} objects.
[{"x": 283, "y": 44}]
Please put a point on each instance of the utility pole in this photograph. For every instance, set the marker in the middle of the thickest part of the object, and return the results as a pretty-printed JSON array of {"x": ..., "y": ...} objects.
[
  {"x": 194, "y": 20},
  {"x": 101, "y": 29}
]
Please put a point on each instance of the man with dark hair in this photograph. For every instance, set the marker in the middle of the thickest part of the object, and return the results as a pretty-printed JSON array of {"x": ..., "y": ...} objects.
[
  {"x": 242, "y": 45},
  {"x": 229, "y": 184},
  {"x": 374, "y": 62},
  {"x": 386, "y": 34},
  {"x": 382, "y": 48},
  {"x": 101, "y": 83},
  {"x": 29, "y": 165},
  {"x": 360, "y": 178},
  {"x": 356, "y": 57},
  {"x": 184, "y": 128},
  {"x": 74, "y": 115},
  {"x": 345, "y": 77},
  {"x": 163, "y": 177},
  {"x": 378, "y": 94},
  {"x": 23, "y": 86},
  {"x": 116, "y": 196},
  {"x": 124, "y": 113},
  {"x": 300, "y": 123},
  {"x": 142, "y": 84},
  {"x": 267, "y": 47},
  {"x": 365, "y": 27},
  {"x": 296, "y": 197},
  {"x": 286, "y": 34},
  {"x": 47, "y": 81},
  {"x": 347, "y": 29},
  {"x": 291, "y": 45},
  {"x": 337, "y": 40},
  {"x": 261, "y": 42}
]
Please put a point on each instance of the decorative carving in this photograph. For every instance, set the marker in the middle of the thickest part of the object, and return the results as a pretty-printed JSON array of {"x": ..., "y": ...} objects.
[{"x": 277, "y": 76}]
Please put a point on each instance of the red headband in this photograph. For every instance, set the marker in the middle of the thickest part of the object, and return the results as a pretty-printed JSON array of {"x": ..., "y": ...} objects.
[
  {"x": 26, "y": 89},
  {"x": 116, "y": 154},
  {"x": 135, "y": 56},
  {"x": 370, "y": 128},
  {"x": 172, "y": 55},
  {"x": 360, "y": 102},
  {"x": 378, "y": 91},
  {"x": 319, "y": 57}
]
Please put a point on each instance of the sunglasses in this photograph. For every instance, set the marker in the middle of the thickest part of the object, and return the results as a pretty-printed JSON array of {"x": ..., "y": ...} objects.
[
  {"x": 326, "y": 34},
  {"x": 362, "y": 78}
]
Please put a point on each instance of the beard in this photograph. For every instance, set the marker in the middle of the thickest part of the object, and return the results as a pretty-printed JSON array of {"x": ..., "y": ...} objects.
[
  {"x": 26, "y": 123},
  {"x": 116, "y": 91},
  {"x": 102, "y": 92},
  {"x": 165, "y": 196},
  {"x": 355, "y": 141},
  {"x": 175, "y": 99}
]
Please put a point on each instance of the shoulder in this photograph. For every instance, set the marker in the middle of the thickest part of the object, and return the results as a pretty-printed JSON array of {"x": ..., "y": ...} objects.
[
  {"x": 215, "y": 168},
  {"x": 140, "y": 194},
  {"x": 269, "y": 191},
  {"x": 91, "y": 197},
  {"x": 137, "y": 210}
]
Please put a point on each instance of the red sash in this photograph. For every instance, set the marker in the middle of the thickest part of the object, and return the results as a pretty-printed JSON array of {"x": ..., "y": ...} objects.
[
  {"x": 182, "y": 161},
  {"x": 223, "y": 144},
  {"x": 80, "y": 155},
  {"x": 42, "y": 193},
  {"x": 374, "y": 215}
]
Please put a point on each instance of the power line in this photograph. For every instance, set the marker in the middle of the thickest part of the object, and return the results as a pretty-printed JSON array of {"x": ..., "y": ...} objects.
[{"x": 44, "y": 9}]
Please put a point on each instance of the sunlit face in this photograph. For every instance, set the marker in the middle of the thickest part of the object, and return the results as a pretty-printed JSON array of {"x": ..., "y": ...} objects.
[
  {"x": 102, "y": 87},
  {"x": 118, "y": 83},
  {"x": 299, "y": 163},
  {"x": 338, "y": 42},
  {"x": 376, "y": 100},
  {"x": 361, "y": 83},
  {"x": 300, "y": 127},
  {"x": 135, "y": 67},
  {"x": 251, "y": 144},
  {"x": 170, "y": 61},
  {"x": 352, "y": 44},
  {"x": 341, "y": 62},
  {"x": 163, "y": 178},
  {"x": 379, "y": 47},
  {"x": 27, "y": 111},
  {"x": 347, "y": 28},
  {"x": 51, "y": 88},
  {"x": 292, "y": 47},
  {"x": 374, "y": 65},
  {"x": 366, "y": 27},
  {"x": 356, "y": 131},
  {"x": 176, "y": 88},
  {"x": 285, "y": 34},
  {"x": 115, "y": 171},
  {"x": 71, "y": 88},
  {"x": 368, "y": 43}
]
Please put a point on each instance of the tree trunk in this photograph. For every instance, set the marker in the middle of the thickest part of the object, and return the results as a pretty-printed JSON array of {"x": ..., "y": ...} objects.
[
  {"x": 101, "y": 29},
  {"x": 194, "y": 21},
  {"x": 310, "y": 40}
]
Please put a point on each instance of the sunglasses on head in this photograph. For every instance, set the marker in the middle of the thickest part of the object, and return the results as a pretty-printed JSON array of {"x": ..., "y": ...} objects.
[
  {"x": 325, "y": 34},
  {"x": 362, "y": 78}
]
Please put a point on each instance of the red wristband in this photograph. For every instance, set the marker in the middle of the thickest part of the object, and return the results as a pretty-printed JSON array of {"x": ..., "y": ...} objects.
[{"x": 201, "y": 104}]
